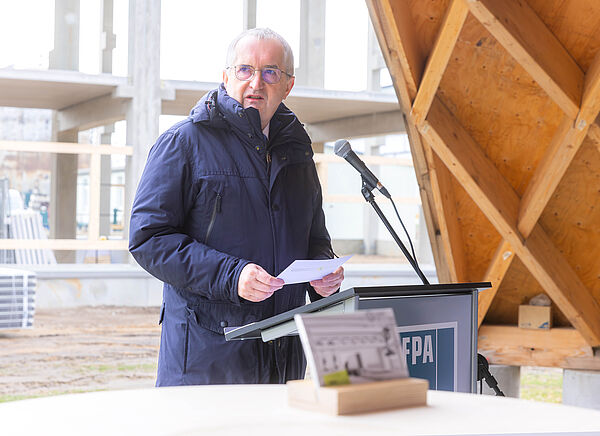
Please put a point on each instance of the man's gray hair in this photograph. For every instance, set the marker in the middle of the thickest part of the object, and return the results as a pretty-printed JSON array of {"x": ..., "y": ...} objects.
[{"x": 263, "y": 33}]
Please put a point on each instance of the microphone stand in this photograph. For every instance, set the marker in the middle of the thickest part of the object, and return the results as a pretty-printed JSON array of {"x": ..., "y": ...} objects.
[
  {"x": 370, "y": 198},
  {"x": 483, "y": 373}
]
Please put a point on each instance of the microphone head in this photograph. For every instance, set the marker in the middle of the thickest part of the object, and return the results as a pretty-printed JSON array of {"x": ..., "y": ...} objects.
[{"x": 342, "y": 147}]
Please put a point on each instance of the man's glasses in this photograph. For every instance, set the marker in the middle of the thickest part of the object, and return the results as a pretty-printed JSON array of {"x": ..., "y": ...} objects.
[{"x": 270, "y": 75}]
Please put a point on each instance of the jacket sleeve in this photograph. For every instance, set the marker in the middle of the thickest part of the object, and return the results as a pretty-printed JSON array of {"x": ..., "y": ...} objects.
[
  {"x": 320, "y": 242},
  {"x": 157, "y": 240}
]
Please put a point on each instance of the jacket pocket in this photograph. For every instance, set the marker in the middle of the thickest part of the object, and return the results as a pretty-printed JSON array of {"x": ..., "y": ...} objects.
[
  {"x": 215, "y": 316},
  {"x": 213, "y": 217}
]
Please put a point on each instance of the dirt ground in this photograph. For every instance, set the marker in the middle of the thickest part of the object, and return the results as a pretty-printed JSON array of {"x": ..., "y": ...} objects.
[
  {"x": 79, "y": 350},
  {"x": 109, "y": 347}
]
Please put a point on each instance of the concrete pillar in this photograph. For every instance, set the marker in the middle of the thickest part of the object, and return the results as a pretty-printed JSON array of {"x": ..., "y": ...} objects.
[
  {"x": 581, "y": 388},
  {"x": 62, "y": 215},
  {"x": 370, "y": 218},
  {"x": 105, "y": 183},
  {"x": 108, "y": 43},
  {"x": 65, "y": 56},
  {"x": 508, "y": 378},
  {"x": 144, "y": 75},
  {"x": 249, "y": 14},
  {"x": 375, "y": 61},
  {"x": 108, "y": 40},
  {"x": 311, "y": 69}
]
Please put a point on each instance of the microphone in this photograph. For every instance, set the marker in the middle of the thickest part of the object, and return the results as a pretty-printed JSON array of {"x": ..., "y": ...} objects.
[{"x": 342, "y": 148}]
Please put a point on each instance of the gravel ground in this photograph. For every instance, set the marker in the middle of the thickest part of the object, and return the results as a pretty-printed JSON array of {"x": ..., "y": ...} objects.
[{"x": 79, "y": 350}]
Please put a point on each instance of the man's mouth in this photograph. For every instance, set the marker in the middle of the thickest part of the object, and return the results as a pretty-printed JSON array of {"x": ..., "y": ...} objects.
[{"x": 254, "y": 97}]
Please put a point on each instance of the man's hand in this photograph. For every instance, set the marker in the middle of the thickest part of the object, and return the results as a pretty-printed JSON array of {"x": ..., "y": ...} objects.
[
  {"x": 330, "y": 283},
  {"x": 255, "y": 284}
]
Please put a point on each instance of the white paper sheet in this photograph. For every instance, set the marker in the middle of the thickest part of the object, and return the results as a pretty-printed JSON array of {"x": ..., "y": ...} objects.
[{"x": 301, "y": 271}]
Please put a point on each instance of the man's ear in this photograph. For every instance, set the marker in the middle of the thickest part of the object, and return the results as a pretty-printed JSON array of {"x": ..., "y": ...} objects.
[
  {"x": 289, "y": 86},
  {"x": 225, "y": 77}
]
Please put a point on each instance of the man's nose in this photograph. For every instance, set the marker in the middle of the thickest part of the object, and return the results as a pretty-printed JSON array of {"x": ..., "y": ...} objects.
[{"x": 257, "y": 81}]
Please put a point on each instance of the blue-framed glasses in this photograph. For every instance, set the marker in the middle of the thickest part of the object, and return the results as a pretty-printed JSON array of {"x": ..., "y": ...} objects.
[{"x": 270, "y": 75}]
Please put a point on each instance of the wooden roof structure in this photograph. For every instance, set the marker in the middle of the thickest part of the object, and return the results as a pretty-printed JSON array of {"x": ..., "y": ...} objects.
[{"x": 501, "y": 101}]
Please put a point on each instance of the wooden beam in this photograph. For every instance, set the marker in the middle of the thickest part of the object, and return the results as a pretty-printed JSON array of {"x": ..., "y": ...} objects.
[
  {"x": 63, "y": 147},
  {"x": 62, "y": 244},
  {"x": 429, "y": 189},
  {"x": 471, "y": 167},
  {"x": 590, "y": 102},
  {"x": 557, "y": 347},
  {"x": 594, "y": 134},
  {"x": 389, "y": 41},
  {"x": 563, "y": 148},
  {"x": 525, "y": 36},
  {"x": 392, "y": 58},
  {"x": 397, "y": 21},
  {"x": 499, "y": 202},
  {"x": 438, "y": 59},
  {"x": 445, "y": 203},
  {"x": 549, "y": 172},
  {"x": 495, "y": 273}
]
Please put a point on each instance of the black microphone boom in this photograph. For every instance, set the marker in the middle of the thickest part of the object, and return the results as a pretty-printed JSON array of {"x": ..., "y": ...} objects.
[
  {"x": 369, "y": 182},
  {"x": 342, "y": 148}
]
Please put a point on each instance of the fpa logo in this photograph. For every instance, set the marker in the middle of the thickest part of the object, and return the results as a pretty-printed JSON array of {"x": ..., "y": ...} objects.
[{"x": 430, "y": 351}]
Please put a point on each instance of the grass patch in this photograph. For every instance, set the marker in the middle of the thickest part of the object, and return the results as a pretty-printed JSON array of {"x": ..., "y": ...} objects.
[
  {"x": 7, "y": 398},
  {"x": 12, "y": 397},
  {"x": 541, "y": 384},
  {"x": 142, "y": 367}
]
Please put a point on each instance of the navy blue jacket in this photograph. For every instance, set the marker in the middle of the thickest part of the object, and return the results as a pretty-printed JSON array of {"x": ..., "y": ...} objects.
[{"x": 214, "y": 196}]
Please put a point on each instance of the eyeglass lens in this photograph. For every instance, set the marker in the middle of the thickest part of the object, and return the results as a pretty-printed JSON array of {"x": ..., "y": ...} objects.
[{"x": 269, "y": 75}]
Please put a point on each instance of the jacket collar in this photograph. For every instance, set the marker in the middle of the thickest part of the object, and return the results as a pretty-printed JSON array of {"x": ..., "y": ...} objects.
[{"x": 219, "y": 110}]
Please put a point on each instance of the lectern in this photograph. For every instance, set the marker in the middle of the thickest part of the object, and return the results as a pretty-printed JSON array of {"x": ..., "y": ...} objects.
[{"x": 437, "y": 325}]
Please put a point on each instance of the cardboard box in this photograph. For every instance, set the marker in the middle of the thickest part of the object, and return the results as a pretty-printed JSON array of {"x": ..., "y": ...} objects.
[{"x": 535, "y": 317}]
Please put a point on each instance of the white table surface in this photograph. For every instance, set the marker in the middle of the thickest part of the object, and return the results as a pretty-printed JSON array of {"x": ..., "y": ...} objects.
[{"x": 262, "y": 409}]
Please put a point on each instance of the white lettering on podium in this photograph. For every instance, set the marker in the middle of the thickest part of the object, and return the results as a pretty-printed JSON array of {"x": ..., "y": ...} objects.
[
  {"x": 428, "y": 353},
  {"x": 416, "y": 346},
  {"x": 405, "y": 341},
  {"x": 416, "y": 349}
]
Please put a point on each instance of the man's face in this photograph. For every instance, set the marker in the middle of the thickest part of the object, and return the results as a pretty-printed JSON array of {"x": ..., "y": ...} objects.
[{"x": 259, "y": 53}]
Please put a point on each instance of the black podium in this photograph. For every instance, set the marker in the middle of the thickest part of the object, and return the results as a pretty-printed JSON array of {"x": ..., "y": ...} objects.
[{"x": 437, "y": 325}]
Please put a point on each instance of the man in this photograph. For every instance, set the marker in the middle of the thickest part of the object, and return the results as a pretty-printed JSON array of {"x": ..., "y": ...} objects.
[{"x": 228, "y": 199}]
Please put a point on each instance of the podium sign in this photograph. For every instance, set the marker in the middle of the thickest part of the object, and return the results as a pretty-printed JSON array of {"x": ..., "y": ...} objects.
[
  {"x": 437, "y": 325},
  {"x": 431, "y": 353}
]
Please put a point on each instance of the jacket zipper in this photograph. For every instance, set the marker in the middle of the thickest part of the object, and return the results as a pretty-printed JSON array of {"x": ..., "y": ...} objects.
[
  {"x": 271, "y": 211},
  {"x": 213, "y": 217}
]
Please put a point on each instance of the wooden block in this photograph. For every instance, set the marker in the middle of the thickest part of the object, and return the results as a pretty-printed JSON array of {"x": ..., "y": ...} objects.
[
  {"x": 535, "y": 317},
  {"x": 358, "y": 398}
]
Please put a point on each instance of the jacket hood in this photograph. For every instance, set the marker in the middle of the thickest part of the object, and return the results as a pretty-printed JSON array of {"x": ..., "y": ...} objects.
[{"x": 218, "y": 110}]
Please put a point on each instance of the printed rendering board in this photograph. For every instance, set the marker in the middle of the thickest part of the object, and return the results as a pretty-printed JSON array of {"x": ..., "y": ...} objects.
[{"x": 351, "y": 348}]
